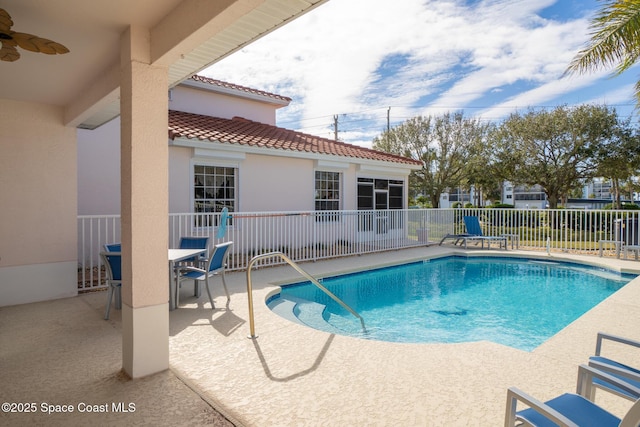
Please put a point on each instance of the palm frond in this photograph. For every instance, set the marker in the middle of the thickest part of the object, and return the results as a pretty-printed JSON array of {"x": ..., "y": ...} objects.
[{"x": 615, "y": 39}]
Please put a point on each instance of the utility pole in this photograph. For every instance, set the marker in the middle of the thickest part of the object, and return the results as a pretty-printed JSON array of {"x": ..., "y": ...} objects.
[
  {"x": 388, "y": 115},
  {"x": 335, "y": 127}
]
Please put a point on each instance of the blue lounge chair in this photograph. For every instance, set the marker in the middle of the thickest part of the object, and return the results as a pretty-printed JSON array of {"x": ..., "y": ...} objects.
[
  {"x": 570, "y": 409},
  {"x": 217, "y": 265},
  {"x": 619, "y": 370},
  {"x": 474, "y": 232}
]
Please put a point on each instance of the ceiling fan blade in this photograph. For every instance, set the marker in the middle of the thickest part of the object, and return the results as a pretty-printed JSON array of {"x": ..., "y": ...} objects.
[
  {"x": 38, "y": 44},
  {"x": 11, "y": 39},
  {"x": 5, "y": 21},
  {"x": 8, "y": 53}
]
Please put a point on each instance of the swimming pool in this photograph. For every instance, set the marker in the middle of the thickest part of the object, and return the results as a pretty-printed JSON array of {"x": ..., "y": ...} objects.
[{"x": 516, "y": 302}]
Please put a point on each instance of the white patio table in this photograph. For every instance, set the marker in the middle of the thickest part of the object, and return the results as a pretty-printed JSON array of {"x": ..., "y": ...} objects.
[{"x": 177, "y": 255}]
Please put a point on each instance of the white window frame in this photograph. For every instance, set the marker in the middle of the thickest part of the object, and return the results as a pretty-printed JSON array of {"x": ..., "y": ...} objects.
[
  {"x": 214, "y": 163},
  {"x": 340, "y": 182}
]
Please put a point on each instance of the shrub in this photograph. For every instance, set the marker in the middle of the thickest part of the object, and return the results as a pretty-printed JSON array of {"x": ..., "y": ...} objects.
[{"x": 629, "y": 206}]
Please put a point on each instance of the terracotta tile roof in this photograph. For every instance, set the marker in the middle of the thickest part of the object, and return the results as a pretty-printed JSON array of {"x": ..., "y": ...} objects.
[
  {"x": 254, "y": 134},
  {"x": 226, "y": 85}
]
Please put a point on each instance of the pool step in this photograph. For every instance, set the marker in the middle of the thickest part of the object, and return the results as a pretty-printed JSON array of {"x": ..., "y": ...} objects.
[
  {"x": 283, "y": 307},
  {"x": 302, "y": 311}
]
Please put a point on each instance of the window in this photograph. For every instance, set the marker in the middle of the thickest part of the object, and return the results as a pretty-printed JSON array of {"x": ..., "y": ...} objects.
[
  {"x": 530, "y": 196},
  {"x": 380, "y": 195},
  {"x": 365, "y": 194},
  {"x": 327, "y": 193},
  {"x": 214, "y": 188}
]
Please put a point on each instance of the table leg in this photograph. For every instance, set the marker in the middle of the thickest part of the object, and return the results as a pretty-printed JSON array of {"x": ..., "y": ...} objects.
[{"x": 172, "y": 281}]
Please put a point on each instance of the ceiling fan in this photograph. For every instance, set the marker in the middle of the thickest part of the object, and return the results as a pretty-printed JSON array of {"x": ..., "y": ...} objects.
[{"x": 10, "y": 39}]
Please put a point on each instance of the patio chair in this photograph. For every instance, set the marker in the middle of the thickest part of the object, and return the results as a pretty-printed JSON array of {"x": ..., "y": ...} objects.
[
  {"x": 200, "y": 262},
  {"x": 570, "y": 409},
  {"x": 614, "y": 368},
  {"x": 195, "y": 243},
  {"x": 113, "y": 247},
  {"x": 113, "y": 265},
  {"x": 217, "y": 265}
]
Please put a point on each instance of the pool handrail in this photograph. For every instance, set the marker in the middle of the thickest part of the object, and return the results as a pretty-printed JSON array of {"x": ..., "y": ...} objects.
[{"x": 303, "y": 273}]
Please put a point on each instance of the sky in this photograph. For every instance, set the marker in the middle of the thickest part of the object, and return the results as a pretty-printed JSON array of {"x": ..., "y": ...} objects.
[{"x": 377, "y": 63}]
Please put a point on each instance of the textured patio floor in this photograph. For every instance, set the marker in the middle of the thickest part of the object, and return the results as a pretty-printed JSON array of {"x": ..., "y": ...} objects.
[{"x": 62, "y": 352}]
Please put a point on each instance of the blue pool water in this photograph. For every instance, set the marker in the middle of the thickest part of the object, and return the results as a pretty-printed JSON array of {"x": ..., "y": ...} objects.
[{"x": 519, "y": 303}]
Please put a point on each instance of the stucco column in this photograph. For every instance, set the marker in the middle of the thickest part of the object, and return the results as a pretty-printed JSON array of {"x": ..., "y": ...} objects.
[{"x": 144, "y": 209}]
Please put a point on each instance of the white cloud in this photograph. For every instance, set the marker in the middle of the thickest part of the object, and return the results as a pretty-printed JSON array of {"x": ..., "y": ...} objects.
[{"x": 358, "y": 57}]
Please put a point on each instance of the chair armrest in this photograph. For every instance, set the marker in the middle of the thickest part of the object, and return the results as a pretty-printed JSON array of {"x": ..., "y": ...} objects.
[
  {"x": 514, "y": 395},
  {"x": 602, "y": 336},
  {"x": 625, "y": 373},
  {"x": 586, "y": 374}
]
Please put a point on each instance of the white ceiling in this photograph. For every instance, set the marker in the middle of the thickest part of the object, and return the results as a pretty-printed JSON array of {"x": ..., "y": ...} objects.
[{"x": 91, "y": 30}]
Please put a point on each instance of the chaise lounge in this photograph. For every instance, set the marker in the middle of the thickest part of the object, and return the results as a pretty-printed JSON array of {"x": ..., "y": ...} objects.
[{"x": 474, "y": 232}]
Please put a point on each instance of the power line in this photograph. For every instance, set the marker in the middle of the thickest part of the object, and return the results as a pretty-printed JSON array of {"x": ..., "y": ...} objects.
[{"x": 434, "y": 107}]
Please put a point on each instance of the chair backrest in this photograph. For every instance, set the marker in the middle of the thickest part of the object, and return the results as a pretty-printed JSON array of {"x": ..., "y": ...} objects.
[
  {"x": 113, "y": 247},
  {"x": 113, "y": 264},
  {"x": 195, "y": 243},
  {"x": 219, "y": 256},
  {"x": 632, "y": 417},
  {"x": 473, "y": 225}
]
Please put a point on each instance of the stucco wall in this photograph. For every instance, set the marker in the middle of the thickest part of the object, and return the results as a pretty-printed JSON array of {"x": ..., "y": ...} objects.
[
  {"x": 180, "y": 177},
  {"x": 192, "y": 100},
  {"x": 38, "y": 244},
  {"x": 269, "y": 183},
  {"x": 99, "y": 170}
]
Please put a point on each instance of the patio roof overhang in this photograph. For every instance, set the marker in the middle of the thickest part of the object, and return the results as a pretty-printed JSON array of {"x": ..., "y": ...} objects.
[
  {"x": 122, "y": 54},
  {"x": 186, "y": 36}
]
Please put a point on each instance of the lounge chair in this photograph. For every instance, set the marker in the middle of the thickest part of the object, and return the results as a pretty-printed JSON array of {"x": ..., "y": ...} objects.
[
  {"x": 571, "y": 409},
  {"x": 474, "y": 232},
  {"x": 614, "y": 368}
]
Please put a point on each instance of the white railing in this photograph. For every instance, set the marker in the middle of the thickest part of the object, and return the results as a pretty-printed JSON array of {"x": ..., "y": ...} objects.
[
  {"x": 94, "y": 231},
  {"x": 309, "y": 236}
]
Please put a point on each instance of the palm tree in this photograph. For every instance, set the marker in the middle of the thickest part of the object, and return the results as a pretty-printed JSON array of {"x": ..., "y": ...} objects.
[{"x": 615, "y": 40}]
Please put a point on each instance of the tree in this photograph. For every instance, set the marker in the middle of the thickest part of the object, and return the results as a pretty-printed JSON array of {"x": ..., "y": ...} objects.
[
  {"x": 442, "y": 143},
  {"x": 557, "y": 149},
  {"x": 615, "y": 40},
  {"x": 619, "y": 160},
  {"x": 481, "y": 172}
]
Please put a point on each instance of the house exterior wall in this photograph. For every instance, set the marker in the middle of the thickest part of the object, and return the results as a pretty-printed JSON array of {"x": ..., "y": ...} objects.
[
  {"x": 180, "y": 180},
  {"x": 271, "y": 180},
  {"x": 268, "y": 179},
  {"x": 269, "y": 183},
  {"x": 99, "y": 170},
  {"x": 199, "y": 101},
  {"x": 99, "y": 151},
  {"x": 38, "y": 258}
]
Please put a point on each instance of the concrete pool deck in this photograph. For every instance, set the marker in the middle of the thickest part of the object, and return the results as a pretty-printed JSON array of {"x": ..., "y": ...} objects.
[{"x": 294, "y": 376}]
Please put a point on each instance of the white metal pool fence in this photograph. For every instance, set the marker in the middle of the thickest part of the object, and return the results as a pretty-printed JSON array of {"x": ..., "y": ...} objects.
[{"x": 316, "y": 235}]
